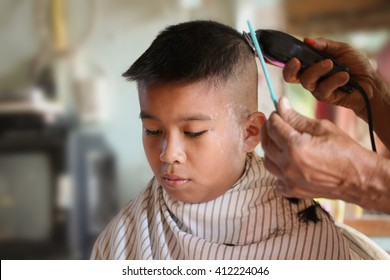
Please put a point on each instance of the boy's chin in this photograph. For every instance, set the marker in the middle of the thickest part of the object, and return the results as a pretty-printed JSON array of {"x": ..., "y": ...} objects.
[{"x": 188, "y": 197}]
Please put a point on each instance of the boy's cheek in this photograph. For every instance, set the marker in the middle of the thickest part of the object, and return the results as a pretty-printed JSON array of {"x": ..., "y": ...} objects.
[{"x": 151, "y": 148}]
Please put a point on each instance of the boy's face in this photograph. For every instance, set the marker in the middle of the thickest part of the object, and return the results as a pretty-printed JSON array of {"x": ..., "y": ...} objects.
[{"x": 192, "y": 139}]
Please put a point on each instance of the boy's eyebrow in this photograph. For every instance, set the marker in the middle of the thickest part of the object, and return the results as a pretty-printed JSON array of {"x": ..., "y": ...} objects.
[
  {"x": 197, "y": 117},
  {"x": 193, "y": 117},
  {"x": 144, "y": 115}
]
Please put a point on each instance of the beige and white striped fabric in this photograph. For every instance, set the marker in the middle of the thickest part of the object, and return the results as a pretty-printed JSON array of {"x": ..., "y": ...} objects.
[{"x": 250, "y": 221}]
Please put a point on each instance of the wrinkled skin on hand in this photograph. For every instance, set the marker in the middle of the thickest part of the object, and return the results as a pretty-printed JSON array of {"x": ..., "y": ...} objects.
[
  {"x": 327, "y": 90},
  {"x": 314, "y": 158}
]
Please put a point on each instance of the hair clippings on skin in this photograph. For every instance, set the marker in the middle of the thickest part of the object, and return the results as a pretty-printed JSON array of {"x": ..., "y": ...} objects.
[{"x": 254, "y": 43}]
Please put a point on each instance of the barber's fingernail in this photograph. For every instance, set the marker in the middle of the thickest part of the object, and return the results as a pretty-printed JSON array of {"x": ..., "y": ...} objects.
[
  {"x": 310, "y": 41},
  {"x": 343, "y": 77},
  {"x": 326, "y": 63},
  {"x": 286, "y": 104},
  {"x": 294, "y": 66}
]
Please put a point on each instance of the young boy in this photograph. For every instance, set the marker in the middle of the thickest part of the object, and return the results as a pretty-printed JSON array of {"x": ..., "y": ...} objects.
[{"x": 210, "y": 197}]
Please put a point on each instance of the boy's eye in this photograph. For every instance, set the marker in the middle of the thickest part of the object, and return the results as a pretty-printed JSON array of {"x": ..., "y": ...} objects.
[
  {"x": 194, "y": 134},
  {"x": 152, "y": 132}
]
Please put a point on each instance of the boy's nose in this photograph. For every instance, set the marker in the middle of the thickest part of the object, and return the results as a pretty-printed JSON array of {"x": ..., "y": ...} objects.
[{"x": 172, "y": 151}]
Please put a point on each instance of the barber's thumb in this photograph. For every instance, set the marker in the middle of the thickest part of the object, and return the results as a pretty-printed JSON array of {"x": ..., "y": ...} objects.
[
  {"x": 288, "y": 114},
  {"x": 285, "y": 109}
]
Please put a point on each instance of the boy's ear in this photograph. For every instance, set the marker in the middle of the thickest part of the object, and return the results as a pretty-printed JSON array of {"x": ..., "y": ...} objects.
[{"x": 253, "y": 125}]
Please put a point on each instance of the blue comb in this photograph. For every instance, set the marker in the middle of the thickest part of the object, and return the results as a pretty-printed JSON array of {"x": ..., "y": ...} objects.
[{"x": 263, "y": 65}]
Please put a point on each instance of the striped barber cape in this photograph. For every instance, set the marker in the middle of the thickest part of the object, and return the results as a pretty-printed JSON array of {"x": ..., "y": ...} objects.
[{"x": 249, "y": 221}]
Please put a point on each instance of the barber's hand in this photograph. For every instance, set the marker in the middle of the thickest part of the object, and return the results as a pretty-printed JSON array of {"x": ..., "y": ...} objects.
[
  {"x": 327, "y": 90},
  {"x": 313, "y": 158}
]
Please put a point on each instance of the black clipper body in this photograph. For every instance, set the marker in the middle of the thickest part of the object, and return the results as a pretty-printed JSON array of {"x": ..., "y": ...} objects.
[{"x": 279, "y": 47}]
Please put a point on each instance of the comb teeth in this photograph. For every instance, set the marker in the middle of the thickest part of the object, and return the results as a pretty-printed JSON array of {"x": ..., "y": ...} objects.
[
  {"x": 249, "y": 40},
  {"x": 251, "y": 44}
]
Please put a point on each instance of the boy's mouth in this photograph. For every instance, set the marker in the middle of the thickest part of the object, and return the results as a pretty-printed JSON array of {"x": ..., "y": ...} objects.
[{"x": 174, "y": 182}]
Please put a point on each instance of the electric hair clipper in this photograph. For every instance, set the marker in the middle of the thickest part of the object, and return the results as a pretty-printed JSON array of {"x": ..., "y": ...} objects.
[{"x": 278, "y": 48}]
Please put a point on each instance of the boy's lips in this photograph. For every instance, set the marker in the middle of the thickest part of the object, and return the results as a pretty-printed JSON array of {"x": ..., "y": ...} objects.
[{"x": 174, "y": 182}]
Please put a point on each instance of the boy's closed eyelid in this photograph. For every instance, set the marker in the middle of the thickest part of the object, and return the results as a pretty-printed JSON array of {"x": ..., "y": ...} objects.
[
  {"x": 152, "y": 132},
  {"x": 195, "y": 134},
  {"x": 191, "y": 134}
]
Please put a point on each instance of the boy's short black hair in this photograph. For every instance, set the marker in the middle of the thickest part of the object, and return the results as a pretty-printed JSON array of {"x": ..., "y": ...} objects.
[{"x": 192, "y": 51}]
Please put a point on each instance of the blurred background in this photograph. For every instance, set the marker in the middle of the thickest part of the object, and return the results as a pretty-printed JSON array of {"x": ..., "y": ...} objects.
[{"x": 70, "y": 138}]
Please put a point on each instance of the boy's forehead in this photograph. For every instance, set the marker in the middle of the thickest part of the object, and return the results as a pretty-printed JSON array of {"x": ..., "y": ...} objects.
[
  {"x": 192, "y": 100},
  {"x": 212, "y": 92}
]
